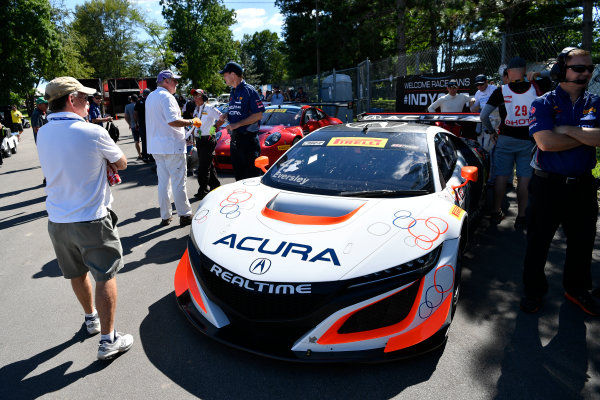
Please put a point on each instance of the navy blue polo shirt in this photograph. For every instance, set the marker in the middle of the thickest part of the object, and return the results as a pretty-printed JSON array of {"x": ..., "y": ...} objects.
[
  {"x": 555, "y": 109},
  {"x": 243, "y": 102},
  {"x": 94, "y": 113}
]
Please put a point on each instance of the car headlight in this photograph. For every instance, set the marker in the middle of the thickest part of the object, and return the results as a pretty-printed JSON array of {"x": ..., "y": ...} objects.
[
  {"x": 272, "y": 139},
  {"x": 418, "y": 266}
]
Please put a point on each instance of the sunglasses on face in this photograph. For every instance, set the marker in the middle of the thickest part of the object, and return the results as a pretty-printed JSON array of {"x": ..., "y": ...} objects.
[{"x": 579, "y": 68}]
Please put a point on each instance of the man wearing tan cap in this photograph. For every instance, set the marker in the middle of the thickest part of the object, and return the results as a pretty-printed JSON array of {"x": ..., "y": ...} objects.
[{"x": 74, "y": 156}]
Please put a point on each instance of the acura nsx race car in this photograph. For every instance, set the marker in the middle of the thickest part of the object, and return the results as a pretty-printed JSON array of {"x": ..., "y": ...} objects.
[
  {"x": 280, "y": 127},
  {"x": 348, "y": 248}
]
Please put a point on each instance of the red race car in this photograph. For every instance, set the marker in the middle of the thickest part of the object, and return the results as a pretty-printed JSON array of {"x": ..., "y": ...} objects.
[{"x": 280, "y": 127}]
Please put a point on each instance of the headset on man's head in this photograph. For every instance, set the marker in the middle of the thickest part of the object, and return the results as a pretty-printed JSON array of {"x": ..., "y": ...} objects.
[{"x": 559, "y": 69}]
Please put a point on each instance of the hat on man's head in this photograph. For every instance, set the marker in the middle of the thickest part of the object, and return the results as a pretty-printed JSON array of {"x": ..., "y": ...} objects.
[
  {"x": 146, "y": 92},
  {"x": 98, "y": 94},
  {"x": 480, "y": 79},
  {"x": 41, "y": 100},
  {"x": 64, "y": 85},
  {"x": 196, "y": 91},
  {"x": 166, "y": 74},
  {"x": 452, "y": 82},
  {"x": 516, "y": 62},
  {"x": 232, "y": 67}
]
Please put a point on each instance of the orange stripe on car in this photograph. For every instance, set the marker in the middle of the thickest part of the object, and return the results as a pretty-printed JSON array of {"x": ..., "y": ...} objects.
[
  {"x": 307, "y": 219},
  {"x": 424, "y": 331},
  {"x": 184, "y": 280},
  {"x": 333, "y": 337}
]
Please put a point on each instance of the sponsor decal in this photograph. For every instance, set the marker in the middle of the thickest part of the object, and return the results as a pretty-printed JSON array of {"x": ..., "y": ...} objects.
[
  {"x": 261, "y": 287},
  {"x": 532, "y": 110},
  {"x": 283, "y": 249},
  {"x": 313, "y": 143},
  {"x": 260, "y": 266},
  {"x": 359, "y": 142},
  {"x": 283, "y": 147},
  {"x": 457, "y": 212}
]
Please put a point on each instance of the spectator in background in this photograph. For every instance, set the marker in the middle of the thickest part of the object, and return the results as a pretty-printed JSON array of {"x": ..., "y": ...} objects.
[
  {"x": 300, "y": 96},
  {"x": 95, "y": 116},
  {"x": 130, "y": 119},
  {"x": 17, "y": 121},
  {"x": 244, "y": 115},
  {"x": 451, "y": 102},
  {"x": 480, "y": 99},
  {"x": 139, "y": 116},
  {"x": 277, "y": 97},
  {"x": 206, "y": 143},
  {"x": 166, "y": 142},
  {"x": 187, "y": 111},
  {"x": 513, "y": 146},
  {"x": 38, "y": 116}
]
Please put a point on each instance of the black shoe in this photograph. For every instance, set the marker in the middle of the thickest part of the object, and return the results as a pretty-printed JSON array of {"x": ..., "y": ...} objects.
[
  {"x": 185, "y": 220},
  {"x": 166, "y": 222},
  {"x": 531, "y": 305},
  {"x": 200, "y": 196},
  {"x": 585, "y": 301},
  {"x": 520, "y": 223},
  {"x": 497, "y": 217}
]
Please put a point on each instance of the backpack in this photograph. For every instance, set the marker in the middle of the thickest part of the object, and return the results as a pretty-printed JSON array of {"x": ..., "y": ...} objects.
[{"x": 113, "y": 131}]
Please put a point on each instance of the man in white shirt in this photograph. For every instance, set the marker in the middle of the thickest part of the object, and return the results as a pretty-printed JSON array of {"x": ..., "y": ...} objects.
[
  {"x": 166, "y": 142},
  {"x": 452, "y": 102},
  {"x": 277, "y": 97},
  {"x": 206, "y": 143},
  {"x": 74, "y": 156},
  {"x": 480, "y": 99}
]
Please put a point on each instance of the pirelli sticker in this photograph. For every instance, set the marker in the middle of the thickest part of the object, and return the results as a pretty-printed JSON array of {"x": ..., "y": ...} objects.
[
  {"x": 275, "y": 110},
  {"x": 457, "y": 212},
  {"x": 357, "y": 141},
  {"x": 283, "y": 147}
]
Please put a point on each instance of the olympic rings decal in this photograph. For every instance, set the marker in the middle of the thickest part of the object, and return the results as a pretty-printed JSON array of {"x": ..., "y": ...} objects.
[
  {"x": 201, "y": 216},
  {"x": 230, "y": 205},
  {"x": 446, "y": 269},
  {"x": 424, "y": 231},
  {"x": 434, "y": 298}
]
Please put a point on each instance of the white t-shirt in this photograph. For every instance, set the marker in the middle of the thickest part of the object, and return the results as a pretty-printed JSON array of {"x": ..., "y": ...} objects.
[
  {"x": 449, "y": 103},
  {"x": 162, "y": 108},
  {"x": 73, "y": 155},
  {"x": 209, "y": 115},
  {"x": 481, "y": 98}
]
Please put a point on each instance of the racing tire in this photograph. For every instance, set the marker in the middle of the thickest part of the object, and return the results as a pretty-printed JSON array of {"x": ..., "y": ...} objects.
[{"x": 296, "y": 140}]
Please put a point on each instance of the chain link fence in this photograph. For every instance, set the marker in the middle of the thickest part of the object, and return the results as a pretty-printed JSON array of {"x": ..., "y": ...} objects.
[{"x": 373, "y": 83}]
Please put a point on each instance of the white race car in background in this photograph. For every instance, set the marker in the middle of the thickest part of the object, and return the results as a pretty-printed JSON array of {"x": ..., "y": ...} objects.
[{"x": 348, "y": 248}]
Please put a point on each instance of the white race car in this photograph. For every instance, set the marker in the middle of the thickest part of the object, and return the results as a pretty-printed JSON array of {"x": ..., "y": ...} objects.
[{"x": 348, "y": 248}]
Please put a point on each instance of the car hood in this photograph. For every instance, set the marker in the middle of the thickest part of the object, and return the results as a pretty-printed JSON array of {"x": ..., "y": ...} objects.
[{"x": 297, "y": 237}]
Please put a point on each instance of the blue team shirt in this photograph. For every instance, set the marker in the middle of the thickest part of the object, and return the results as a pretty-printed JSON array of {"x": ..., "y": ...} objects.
[
  {"x": 555, "y": 109},
  {"x": 94, "y": 113},
  {"x": 243, "y": 102}
]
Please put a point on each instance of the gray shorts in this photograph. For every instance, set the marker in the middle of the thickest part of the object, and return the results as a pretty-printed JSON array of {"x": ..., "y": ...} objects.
[
  {"x": 510, "y": 151},
  {"x": 92, "y": 246}
]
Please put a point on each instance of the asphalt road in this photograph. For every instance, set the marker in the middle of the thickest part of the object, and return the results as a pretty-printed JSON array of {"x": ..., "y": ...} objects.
[{"x": 493, "y": 350}]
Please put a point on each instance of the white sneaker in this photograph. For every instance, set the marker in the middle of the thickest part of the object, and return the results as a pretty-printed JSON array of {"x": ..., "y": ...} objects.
[
  {"x": 92, "y": 325},
  {"x": 108, "y": 350}
]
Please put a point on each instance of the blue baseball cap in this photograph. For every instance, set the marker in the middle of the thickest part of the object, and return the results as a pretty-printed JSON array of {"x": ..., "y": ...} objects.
[
  {"x": 232, "y": 67},
  {"x": 166, "y": 74}
]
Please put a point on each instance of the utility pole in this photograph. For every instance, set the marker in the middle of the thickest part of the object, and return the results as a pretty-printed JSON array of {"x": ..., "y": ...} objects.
[
  {"x": 318, "y": 54},
  {"x": 587, "y": 25}
]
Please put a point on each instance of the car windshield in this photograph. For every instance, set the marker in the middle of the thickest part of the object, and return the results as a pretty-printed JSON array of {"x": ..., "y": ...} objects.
[
  {"x": 281, "y": 116},
  {"x": 355, "y": 164}
]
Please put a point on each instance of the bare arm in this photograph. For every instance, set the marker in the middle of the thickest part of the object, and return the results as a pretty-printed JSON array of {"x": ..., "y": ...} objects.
[
  {"x": 120, "y": 164},
  {"x": 587, "y": 136},
  {"x": 548, "y": 140},
  {"x": 181, "y": 123}
]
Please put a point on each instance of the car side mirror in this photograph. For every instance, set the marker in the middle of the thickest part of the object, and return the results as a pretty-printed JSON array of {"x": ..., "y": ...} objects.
[
  {"x": 262, "y": 162},
  {"x": 469, "y": 174}
]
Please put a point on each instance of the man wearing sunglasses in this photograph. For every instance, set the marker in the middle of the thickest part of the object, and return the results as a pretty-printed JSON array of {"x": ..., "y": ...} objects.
[{"x": 565, "y": 126}]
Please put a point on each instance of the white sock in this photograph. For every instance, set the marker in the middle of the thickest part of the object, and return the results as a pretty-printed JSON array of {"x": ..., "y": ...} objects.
[
  {"x": 93, "y": 315},
  {"x": 110, "y": 337}
]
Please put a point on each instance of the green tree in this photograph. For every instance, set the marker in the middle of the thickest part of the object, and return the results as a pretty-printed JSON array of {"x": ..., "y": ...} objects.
[
  {"x": 267, "y": 53},
  {"x": 29, "y": 45},
  {"x": 157, "y": 49},
  {"x": 105, "y": 37},
  {"x": 201, "y": 39}
]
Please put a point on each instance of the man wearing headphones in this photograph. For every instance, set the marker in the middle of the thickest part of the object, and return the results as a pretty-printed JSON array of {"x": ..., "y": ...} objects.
[
  {"x": 564, "y": 124},
  {"x": 205, "y": 143}
]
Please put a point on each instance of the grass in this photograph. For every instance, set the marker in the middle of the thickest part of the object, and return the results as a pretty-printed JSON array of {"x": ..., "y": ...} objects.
[{"x": 596, "y": 171}]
